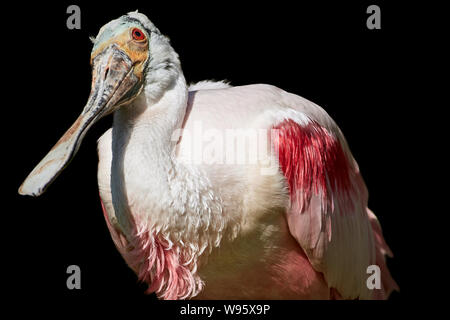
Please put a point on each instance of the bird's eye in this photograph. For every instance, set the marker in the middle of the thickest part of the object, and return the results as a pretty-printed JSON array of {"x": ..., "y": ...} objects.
[{"x": 138, "y": 34}]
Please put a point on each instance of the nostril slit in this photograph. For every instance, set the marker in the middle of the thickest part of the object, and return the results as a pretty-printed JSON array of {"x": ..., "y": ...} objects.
[{"x": 106, "y": 73}]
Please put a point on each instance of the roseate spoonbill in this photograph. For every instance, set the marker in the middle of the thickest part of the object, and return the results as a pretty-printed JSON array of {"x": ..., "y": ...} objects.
[{"x": 293, "y": 224}]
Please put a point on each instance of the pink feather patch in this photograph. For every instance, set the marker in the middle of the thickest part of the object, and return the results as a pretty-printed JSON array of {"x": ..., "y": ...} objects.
[
  {"x": 163, "y": 266},
  {"x": 312, "y": 161}
]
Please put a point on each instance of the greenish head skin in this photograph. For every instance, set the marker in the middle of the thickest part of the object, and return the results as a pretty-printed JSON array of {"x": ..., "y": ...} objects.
[
  {"x": 129, "y": 53},
  {"x": 110, "y": 31},
  {"x": 127, "y": 35},
  {"x": 121, "y": 46}
]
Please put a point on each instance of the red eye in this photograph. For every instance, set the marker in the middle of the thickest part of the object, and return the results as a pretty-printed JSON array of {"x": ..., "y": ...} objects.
[{"x": 137, "y": 34}]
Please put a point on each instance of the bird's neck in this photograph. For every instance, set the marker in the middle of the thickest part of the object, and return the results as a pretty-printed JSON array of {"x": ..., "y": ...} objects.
[
  {"x": 158, "y": 111},
  {"x": 162, "y": 205},
  {"x": 143, "y": 147}
]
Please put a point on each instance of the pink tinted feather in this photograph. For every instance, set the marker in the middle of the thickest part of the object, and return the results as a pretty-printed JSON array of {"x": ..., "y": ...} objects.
[
  {"x": 382, "y": 250},
  {"x": 326, "y": 189},
  {"x": 312, "y": 161},
  {"x": 156, "y": 261}
]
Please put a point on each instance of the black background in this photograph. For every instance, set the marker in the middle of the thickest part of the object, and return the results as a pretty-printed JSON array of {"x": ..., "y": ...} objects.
[{"x": 319, "y": 50}]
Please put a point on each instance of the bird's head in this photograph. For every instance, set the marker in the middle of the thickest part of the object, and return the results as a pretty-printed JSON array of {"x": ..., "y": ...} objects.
[
  {"x": 119, "y": 59},
  {"x": 129, "y": 54}
]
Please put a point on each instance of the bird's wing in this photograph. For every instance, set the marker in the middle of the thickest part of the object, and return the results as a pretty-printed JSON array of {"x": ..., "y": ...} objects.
[{"x": 328, "y": 214}]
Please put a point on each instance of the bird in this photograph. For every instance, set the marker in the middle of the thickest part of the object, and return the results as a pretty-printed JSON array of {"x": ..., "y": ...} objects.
[{"x": 215, "y": 191}]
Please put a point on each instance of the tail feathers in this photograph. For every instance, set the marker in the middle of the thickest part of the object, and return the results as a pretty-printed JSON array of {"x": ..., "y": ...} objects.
[{"x": 388, "y": 284}]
